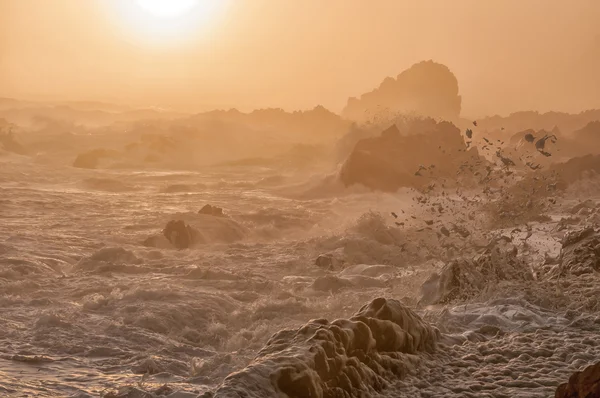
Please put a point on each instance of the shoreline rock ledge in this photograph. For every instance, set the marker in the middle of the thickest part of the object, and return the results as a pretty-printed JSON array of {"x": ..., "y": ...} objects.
[{"x": 355, "y": 357}]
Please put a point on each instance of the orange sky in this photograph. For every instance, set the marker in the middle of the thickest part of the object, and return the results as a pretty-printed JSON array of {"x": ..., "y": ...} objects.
[{"x": 508, "y": 55}]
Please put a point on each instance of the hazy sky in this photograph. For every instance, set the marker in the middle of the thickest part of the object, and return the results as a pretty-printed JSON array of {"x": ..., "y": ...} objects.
[{"x": 508, "y": 55}]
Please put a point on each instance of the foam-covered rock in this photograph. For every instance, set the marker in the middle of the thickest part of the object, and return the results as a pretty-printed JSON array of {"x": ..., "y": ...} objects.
[
  {"x": 354, "y": 357},
  {"x": 374, "y": 271},
  {"x": 189, "y": 229},
  {"x": 464, "y": 278},
  {"x": 584, "y": 384},
  {"x": 456, "y": 279},
  {"x": 211, "y": 229},
  {"x": 580, "y": 253}
]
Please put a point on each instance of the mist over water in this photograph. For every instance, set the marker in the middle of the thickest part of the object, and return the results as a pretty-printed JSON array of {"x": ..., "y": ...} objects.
[{"x": 104, "y": 294}]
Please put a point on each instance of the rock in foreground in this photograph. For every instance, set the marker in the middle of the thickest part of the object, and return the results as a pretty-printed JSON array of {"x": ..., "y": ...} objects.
[
  {"x": 354, "y": 357},
  {"x": 584, "y": 384}
]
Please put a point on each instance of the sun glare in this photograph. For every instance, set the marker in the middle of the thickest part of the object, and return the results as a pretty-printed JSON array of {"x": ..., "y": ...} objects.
[
  {"x": 168, "y": 22},
  {"x": 167, "y": 8}
]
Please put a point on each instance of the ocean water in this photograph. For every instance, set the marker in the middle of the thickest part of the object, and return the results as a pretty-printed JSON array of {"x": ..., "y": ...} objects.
[{"x": 87, "y": 305}]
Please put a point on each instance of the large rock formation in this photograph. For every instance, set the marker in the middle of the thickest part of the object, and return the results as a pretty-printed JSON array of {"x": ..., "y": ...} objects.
[
  {"x": 426, "y": 89},
  {"x": 584, "y": 384},
  {"x": 426, "y": 152},
  {"x": 354, "y": 357}
]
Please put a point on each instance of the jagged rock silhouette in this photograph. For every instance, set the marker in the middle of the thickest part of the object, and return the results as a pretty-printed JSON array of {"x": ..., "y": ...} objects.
[
  {"x": 426, "y": 88},
  {"x": 394, "y": 160}
]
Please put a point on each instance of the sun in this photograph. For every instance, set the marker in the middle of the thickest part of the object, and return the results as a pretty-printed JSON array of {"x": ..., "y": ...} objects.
[
  {"x": 168, "y": 23},
  {"x": 167, "y": 8}
]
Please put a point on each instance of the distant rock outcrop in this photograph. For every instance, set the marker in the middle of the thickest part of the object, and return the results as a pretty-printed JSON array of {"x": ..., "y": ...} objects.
[
  {"x": 212, "y": 211},
  {"x": 427, "y": 151},
  {"x": 91, "y": 159},
  {"x": 588, "y": 138},
  {"x": 9, "y": 143},
  {"x": 354, "y": 357},
  {"x": 318, "y": 121},
  {"x": 574, "y": 169},
  {"x": 519, "y": 121},
  {"x": 426, "y": 89}
]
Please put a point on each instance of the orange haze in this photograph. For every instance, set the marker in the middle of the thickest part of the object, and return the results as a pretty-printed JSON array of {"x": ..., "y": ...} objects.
[{"x": 508, "y": 55}]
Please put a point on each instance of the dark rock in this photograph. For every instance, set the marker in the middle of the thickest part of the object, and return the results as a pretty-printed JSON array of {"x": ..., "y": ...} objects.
[
  {"x": 354, "y": 357},
  {"x": 179, "y": 234},
  {"x": 541, "y": 143},
  {"x": 329, "y": 262},
  {"x": 212, "y": 211},
  {"x": 529, "y": 137},
  {"x": 584, "y": 384},
  {"x": 163, "y": 390},
  {"x": 388, "y": 162}
]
